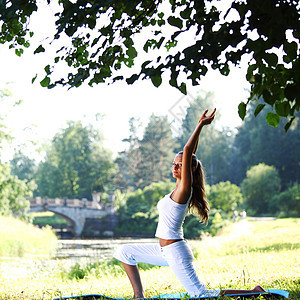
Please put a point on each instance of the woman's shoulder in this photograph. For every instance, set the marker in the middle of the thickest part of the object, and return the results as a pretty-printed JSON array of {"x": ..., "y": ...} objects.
[{"x": 181, "y": 197}]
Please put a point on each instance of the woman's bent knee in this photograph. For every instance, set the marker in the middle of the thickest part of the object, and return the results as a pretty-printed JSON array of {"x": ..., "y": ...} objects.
[{"x": 124, "y": 254}]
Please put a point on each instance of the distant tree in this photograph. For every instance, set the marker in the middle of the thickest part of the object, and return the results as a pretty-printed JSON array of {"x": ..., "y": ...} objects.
[
  {"x": 225, "y": 196},
  {"x": 13, "y": 191},
  {"x": 5, "y": 99},
  {"x": 22, "y": 166},
  {"x": 157, "y": 150},
  {"x": 215, "y": 145},
  {"x": 287, "y": 203},
  {"x": 101, "y": 39},
  {"x": 256, "y": 142},
  {"x": 147, "y": 159},
  {"x": 129, "y": 160},
  {"x": 13, "y": 194},
  {"x": 259, "y": 187},
  {"x": 76, "y": 164}
]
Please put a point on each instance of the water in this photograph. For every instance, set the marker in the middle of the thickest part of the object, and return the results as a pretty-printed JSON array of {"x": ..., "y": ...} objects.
[
  {"x": 68, "y": 253},
  {"x": 92, "y": 249}
]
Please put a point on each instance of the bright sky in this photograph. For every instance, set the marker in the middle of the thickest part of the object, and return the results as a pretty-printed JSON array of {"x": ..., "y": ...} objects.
[{"x": 43, "y": 112}]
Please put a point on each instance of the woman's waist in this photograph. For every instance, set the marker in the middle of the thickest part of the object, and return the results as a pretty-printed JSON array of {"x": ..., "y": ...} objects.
[{"x": 166, "y": 242}]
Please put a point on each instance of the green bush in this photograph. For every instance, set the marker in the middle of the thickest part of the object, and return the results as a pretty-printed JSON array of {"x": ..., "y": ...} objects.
[
  {"x": 287, "y": 203},
  {"x": 225, "y": 196}
]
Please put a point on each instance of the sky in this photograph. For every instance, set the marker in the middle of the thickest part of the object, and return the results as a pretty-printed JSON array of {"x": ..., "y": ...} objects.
[{"x": 44, "y": 112}]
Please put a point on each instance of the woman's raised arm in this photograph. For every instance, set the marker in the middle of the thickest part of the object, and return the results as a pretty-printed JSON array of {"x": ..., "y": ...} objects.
[{"x": 184, "y": 189}]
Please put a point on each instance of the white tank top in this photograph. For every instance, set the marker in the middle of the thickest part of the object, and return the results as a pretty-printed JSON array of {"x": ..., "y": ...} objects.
[{"x": 171, "y": 218}]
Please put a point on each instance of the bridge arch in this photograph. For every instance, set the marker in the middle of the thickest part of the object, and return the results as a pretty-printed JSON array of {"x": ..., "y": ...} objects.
[
  {"x": 70, "y": 222},
  {"x": 75, "y": 212}
]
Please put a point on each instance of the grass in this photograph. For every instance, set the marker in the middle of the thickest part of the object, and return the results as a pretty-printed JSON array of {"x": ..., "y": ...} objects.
[
  {"x": 18, "y": 239},
  {"x": 241, "y": 256},
  {"x": 47, "y": 218}
]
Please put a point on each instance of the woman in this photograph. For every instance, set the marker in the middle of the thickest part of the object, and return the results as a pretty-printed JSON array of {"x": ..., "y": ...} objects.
[{"x": 172, "y": 250}]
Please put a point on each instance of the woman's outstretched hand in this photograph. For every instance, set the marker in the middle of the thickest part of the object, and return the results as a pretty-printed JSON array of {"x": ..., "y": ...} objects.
[{"x": 205, "y": 120}]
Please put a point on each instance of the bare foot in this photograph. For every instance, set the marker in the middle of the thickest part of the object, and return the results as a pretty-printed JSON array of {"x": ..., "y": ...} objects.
[{"x": 258, "y": 289}]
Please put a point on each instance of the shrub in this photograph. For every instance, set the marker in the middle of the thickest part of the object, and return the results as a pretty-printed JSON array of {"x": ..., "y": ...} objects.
[
  {"x": 287, "y": 203},
  {"x": 225, "y": 196}
]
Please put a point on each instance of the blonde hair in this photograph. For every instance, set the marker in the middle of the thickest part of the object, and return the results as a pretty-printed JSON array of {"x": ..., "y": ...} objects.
[{"x": 198, "y": 203}]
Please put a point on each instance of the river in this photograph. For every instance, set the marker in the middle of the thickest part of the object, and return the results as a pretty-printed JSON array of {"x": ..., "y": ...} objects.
[
  {"x": 92, "y": 249},
  {"x": 68, "y": 253}
]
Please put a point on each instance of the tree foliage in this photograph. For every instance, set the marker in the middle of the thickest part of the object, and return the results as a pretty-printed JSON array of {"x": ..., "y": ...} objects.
[
  {"x": 105, "y": 37},
  {"x": 256, "y": 142},
  {"x": 22, "y": 166},
  {"x": 147, "y": 159},
  {"x": 259, "y": 187},
  {"x": 129, "y": 160},
  {"x": 157, "y": 149},
  {"x": 287, "y": 203},
  {"x": 138, "y": 213},
  {"x": 76, "y": 164},
  {"x": 225, "y": 196},
  {"x": 13, "y": 194},
  {"x": 215, "y": 145},
  {"x": 13, "y": 190}
]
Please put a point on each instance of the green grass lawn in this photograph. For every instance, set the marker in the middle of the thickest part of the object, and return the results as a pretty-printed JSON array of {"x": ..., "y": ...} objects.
[
  {"x": 47, "y": 218},
  {"x": 241, "y": 256},
  {"x": 19, "y": 239}
]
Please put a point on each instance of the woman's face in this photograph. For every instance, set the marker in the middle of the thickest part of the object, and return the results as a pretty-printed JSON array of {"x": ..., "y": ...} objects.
[{"x": 177, "y": 166}]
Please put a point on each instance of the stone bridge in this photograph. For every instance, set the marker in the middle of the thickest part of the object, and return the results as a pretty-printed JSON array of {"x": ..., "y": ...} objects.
[{"x": 75, "y": 211}]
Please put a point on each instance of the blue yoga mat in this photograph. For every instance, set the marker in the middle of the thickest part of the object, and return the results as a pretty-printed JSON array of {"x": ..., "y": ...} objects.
[{"x": 278, "y": 294}]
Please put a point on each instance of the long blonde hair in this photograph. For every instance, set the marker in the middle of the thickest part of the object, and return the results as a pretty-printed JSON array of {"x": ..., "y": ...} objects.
[{"x": 198, "y": 203}]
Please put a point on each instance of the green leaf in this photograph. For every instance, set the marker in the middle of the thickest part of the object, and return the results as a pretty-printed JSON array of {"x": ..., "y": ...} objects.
[
  {"x": 173, "y": 21},
  {"x": 242, "y": 110},
  {"x": 225, "y": 70},
  {"x": 291, "y": 50},
  {"x": 258, "y": 109},
  {"x": 156, "y": 80},
  {"x": 272, "y": 119},
  {"x": 47, "y": 69},
  {"x": 132, "y": 79},
  {"x": 45, "y": 82},
  {"x": 39, "y": 49},
  {"x": 182, "y": 88},
  {"x": 185, "y": 14},
  {"x": 33, "y": 79},
  {"x": 290, "y": 92},
  {"x": 282, "y": 108},
  {"x": 19, "y": 52},
  {"x": 131, "y": 52},
  {"x": 147, "y": 62},
  {"x": 271, "y": 59},
  {"x": 268, "y": 97},
  {"x": 173, "y": 82}
]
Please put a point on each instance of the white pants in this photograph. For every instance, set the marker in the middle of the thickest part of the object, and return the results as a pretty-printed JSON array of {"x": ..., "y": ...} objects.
[{"x": 178, "y": 256}]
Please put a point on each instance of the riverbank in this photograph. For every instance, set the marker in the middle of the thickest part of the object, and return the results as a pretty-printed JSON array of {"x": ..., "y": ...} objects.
[{"x": 243, "y": 255}]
